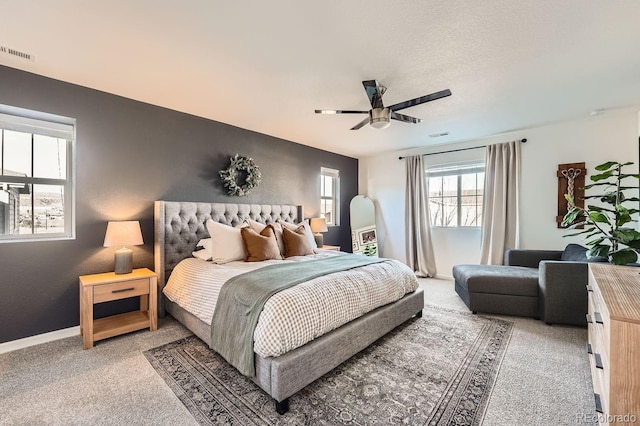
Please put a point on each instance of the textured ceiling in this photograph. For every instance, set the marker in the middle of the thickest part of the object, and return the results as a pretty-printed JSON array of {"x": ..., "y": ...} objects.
[{"x": 266, "y": 65}]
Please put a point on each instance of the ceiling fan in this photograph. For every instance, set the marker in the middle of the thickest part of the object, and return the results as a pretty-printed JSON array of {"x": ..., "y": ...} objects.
[{"x": 379, "y": 115}]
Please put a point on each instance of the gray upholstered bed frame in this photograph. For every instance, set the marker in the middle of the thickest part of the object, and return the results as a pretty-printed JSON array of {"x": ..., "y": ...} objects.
[{"x": 178, "y": 228}]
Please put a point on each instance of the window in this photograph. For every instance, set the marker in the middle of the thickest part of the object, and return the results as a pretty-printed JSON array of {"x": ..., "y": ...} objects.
[
  {"x": 455, "y": 196},
  {"x": 329, "y": 190},
  {"x": 36, "y": 191}
]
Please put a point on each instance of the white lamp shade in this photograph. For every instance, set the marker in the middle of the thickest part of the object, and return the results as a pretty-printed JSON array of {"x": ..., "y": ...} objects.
[
  {"x": 318, "y": 224},
  {"x": 123, "y": 233}
]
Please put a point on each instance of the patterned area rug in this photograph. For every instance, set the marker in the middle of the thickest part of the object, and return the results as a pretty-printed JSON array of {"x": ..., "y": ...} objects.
[{"x": 434, "y": 370}]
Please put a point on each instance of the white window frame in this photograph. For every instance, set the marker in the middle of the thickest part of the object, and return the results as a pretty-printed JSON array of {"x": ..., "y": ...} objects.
[
  {"x": 334, "y": 174},
  {"x": 458, "y": 171},
  {"x": 38, "y": 123}
]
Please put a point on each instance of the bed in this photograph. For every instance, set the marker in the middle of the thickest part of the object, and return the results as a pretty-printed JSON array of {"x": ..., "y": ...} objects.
[{"x": 178, "y": 228}]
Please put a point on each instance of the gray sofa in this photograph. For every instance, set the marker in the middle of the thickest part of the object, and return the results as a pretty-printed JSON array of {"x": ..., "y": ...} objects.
[{"x": 546, "y": 284}]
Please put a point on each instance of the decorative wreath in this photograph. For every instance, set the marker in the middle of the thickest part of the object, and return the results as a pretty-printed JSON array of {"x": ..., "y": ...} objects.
[{"x": 233, "y": 173}]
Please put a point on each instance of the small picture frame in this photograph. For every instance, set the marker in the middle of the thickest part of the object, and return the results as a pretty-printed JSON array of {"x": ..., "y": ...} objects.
[
  {"x": 355, "y": 247},
  {"x": 367, "y": 236}
]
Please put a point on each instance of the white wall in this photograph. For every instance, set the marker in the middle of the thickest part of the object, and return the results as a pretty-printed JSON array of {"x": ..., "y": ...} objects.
[{"x": 594, "y": 140}]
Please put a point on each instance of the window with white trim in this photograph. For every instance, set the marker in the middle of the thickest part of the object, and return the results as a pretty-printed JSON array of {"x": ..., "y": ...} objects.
[
  {"x": 456, "y": 196},
  {"x": 36, "y": 176},
  {"x": 329, "y": 190}
]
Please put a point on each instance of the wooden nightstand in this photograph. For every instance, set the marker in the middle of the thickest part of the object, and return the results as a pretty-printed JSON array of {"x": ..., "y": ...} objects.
[
  {"x": 98, "y": 288},
  {"x": 328, "y": 247}
]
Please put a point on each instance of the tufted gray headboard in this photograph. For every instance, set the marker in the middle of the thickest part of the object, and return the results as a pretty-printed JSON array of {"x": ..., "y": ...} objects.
[{"x": 179, "y": 225}]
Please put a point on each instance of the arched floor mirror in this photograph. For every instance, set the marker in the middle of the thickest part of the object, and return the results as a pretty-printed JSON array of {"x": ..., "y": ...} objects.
[{"x": 364, "y": 236}]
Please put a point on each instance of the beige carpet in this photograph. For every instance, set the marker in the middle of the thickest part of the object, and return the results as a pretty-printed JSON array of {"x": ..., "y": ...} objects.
[{"x": 544, "y": 378}]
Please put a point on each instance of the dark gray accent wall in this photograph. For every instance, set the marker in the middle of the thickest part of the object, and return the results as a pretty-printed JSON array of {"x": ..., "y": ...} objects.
[{"x": 130, "y": 154}]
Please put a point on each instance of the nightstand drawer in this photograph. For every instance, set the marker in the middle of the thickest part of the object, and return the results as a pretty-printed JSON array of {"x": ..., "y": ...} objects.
[{"x": 121, "y": 290}]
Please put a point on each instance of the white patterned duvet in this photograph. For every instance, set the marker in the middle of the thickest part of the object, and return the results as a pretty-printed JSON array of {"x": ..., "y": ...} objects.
[{"x": 298, "y": 314}]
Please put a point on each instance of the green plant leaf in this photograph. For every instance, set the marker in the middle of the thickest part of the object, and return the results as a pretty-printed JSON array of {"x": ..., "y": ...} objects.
[
  {"x": 591, "y": 185},
  {"x": 598, "y": 217},
  {"x": 599, "y": 209},
  {"x": 595, "y": 242},
  {"x": 626, "y": 235},
  {"x": 606, "y": 166},
  {"x": 635, "y": 244},
  {"x": 590, "y": 244},
  {"x": 610, "y": 198},
  {"x": 602, "y": 176},
  {"x": 600, "y": 250},
  {"x": 632, "y": 199},
  {"x": 622, "y": 219},
  {"x": 577, "y": 224},
  {"x": 623, "y": 257},
  {"x": 628, "y": 175},
  {"x": 584, "y": 231},
  {"x": 622, "y": 215},
  {"x": 596, "y": 231},
  {"x": 570, "y": 217}
]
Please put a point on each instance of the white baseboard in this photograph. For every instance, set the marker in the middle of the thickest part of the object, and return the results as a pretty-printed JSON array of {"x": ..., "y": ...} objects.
[
  {"x": 444, "y": 277},
  {"x": 38, "y": 339}
]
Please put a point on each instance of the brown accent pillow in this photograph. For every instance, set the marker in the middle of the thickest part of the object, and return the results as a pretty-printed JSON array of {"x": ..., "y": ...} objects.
[
  {"x": 296, "y": 242},
  {"x": 259, "y": 227},
  {"x": 262, "y": 246}
]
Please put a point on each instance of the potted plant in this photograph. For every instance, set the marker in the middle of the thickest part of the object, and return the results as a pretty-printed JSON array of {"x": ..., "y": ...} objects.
[{"x": 606, "y": 226}]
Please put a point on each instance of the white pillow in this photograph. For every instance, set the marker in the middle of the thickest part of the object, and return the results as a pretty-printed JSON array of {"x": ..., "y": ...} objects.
[
  {"x": 206, "y": 243},
  {"x": 202, "y": 254},
  {"x": 205, "y": 253},
  {"x": 307, "y": 229},
  {"x": 227, "y": 244},
  {"x": 258, "y": 227}
]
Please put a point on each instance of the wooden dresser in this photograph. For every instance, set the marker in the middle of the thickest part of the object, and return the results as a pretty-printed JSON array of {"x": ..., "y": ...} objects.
[{"x": 614, "y": 341}]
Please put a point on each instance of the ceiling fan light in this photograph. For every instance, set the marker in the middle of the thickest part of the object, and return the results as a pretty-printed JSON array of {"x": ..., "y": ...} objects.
[
  {"x": 379, "y": 118},
  {"x": 380, "y": 124}
]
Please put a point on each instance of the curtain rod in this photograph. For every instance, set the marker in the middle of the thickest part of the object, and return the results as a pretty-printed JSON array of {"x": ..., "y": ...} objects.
[{"x": 456, "y": 150}]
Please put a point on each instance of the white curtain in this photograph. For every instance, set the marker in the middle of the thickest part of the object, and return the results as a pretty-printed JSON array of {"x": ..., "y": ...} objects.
[
  {"x": 500, "y": 217},
  {"x": 418, "y": 227}
]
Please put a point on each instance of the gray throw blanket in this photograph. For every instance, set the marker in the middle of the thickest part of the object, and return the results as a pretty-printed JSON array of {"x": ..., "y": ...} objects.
[{"x": 242, "y": 298}]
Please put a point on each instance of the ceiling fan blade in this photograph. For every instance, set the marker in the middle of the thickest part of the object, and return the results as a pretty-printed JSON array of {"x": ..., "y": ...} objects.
[
  {"x": 420, "y": 100},
  {"x": 361, "y": 124},
  {"x": 339, "y": 111},
  {"x": 374, "y": 93},
  {"x": 405, "y": 118}
]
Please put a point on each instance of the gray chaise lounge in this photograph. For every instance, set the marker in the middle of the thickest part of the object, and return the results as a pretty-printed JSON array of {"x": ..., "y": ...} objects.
[{"x": 546, "y": 284}]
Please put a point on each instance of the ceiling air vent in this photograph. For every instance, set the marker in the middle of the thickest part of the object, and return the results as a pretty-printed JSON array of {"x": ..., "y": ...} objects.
[{"x": 17, "y": 53}]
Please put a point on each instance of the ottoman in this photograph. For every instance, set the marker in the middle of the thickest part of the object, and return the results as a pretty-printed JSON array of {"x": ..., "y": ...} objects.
[{"x": 498, "y": 289}]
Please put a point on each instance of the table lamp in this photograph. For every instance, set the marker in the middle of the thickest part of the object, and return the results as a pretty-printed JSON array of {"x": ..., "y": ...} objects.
[
  {"x": 123, "y": 233},
  {"x": 318, "y": 225}
]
